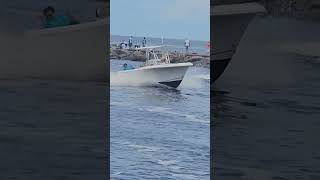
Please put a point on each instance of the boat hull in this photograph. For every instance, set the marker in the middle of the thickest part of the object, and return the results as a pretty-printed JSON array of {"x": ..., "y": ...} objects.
[
  {"x": 218, "y": 67},
  {"x": 173, "y": 84},
  {"x": 75, "y": 52},
  {"x": 228, "y": 23},
  {"x": 170, "y": 75}
]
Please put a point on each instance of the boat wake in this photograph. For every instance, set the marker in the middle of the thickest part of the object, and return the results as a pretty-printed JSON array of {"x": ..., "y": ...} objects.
[
  {"x": 170, "y": 112},
  {"x": 196, "y": 77}
]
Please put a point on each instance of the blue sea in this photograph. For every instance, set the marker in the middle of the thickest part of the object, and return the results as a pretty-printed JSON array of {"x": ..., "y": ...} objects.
[{"x": 159, "y": 132}]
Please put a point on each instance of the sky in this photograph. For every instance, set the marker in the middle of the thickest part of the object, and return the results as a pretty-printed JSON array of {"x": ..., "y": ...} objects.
[{"x": 173, "y": 19}]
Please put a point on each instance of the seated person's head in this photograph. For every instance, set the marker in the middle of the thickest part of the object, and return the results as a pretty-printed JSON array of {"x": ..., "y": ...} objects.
[
  {"x": 125, "y": 65},
  {"x": 48, "y": 12}
]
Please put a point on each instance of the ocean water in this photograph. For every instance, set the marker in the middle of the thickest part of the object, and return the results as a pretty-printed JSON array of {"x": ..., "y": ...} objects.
[
  {"x": 266, "y": 107},
  {"x": 159, "y": 132},
  {"x": 53, "y": 129}
]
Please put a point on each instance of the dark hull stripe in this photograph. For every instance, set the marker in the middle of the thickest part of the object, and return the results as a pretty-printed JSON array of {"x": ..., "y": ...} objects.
[
  {"x": 217, "y": 68},
  {"x": 173, "y": 84}
]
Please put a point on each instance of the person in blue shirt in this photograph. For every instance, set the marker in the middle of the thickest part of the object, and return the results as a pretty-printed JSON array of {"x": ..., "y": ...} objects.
[
  {"x": 52, "y": 20},
  {"x": 127, "y": 67}
]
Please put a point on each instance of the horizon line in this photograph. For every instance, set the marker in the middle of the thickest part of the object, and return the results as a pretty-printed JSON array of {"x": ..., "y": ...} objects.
[{"x": 160, "y": 37}]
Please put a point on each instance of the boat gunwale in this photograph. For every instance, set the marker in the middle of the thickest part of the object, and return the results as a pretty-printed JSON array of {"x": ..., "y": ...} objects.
[{"x": 161, "y": 66}]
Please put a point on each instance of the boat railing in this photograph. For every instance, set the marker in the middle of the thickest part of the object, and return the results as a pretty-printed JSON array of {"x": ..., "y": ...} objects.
[{"x": 158, "y": 61}]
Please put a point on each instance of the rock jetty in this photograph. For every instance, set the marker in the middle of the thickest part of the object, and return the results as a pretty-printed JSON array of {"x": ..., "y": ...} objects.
[{"x": 175, "y": 57}]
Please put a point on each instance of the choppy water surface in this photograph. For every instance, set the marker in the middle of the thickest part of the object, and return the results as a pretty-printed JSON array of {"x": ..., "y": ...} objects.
[
  {"x": 161, "y": 133},
  {"x": 266, "y": 107},
  {"x": 52, "y": 129}
]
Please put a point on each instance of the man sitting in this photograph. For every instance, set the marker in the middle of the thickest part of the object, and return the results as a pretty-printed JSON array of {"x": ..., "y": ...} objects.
[
  {"x": 52, "y": 20},
  {"x": 127, "y": 67}
]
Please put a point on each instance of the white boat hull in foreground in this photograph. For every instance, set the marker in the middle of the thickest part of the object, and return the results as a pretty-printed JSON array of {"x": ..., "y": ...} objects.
[
  {"x": 75, "y": 52},
  {"x": 170, "y": 75},
  {"x": 229, "y": 22}
]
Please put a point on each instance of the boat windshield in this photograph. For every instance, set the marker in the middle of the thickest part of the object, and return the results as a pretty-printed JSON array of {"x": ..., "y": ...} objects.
[{"x": 153, "y": 59}]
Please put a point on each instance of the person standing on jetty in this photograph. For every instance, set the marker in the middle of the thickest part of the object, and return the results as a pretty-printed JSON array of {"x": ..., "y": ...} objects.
[
  {"x": 144, "y": 42},
  {"x": 187, "y": 45},
  {"x": 130, "y": 42}
]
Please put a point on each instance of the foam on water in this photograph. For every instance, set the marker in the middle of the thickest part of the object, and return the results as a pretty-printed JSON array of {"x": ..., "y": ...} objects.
[
  {"x": 141, "y": 148},
  {"x": 159, "y": 132},
  {"x": 196, "y": 77},
  {"x": 170, "y": 111}
]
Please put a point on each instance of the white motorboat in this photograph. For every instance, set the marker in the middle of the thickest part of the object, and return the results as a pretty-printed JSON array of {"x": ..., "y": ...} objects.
[
  {"x": 156, "y": 71},
  {"x": 228, "y": 22},
  {"x": 74, "y": 52}
]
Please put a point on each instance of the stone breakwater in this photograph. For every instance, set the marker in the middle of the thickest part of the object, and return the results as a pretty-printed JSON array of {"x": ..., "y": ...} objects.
[{"x": 175, "y": 57}]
